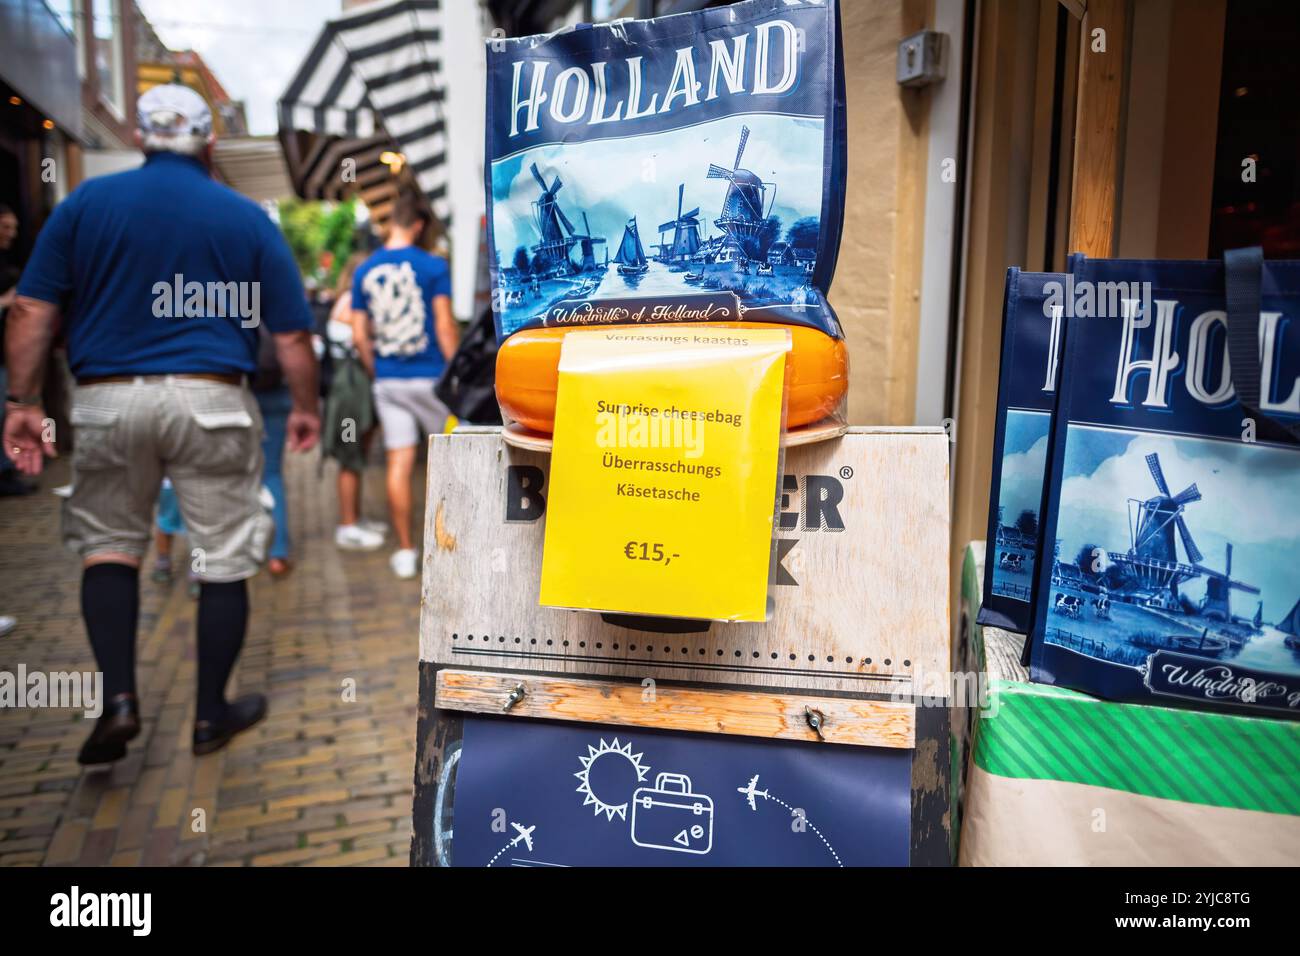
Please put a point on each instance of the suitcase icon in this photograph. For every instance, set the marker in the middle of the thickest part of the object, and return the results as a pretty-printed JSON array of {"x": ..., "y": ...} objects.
[{"x": 668, "y": 816}]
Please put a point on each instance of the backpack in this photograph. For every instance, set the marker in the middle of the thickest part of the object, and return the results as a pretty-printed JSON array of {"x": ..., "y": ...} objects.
[{"x": 468, "y": 386}]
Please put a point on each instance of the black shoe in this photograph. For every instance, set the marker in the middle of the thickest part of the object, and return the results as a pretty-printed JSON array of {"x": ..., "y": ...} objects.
[
  {"x": 211, "y": 735},
  {"x": 118, "y": 724}
]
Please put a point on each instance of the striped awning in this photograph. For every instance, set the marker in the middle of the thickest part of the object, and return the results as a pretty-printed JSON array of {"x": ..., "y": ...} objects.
[
  {"x": 371, "y": 81},
  {"x": 254, "y": 166}
]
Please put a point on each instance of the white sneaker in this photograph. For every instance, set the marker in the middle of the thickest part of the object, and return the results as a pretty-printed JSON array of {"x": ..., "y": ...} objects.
[
  {"x": 378, "y": 527},
  {"x": 8, "y": 623},
  {"x": 353, "y": 537},
  {"x": 405, "y": 563}
]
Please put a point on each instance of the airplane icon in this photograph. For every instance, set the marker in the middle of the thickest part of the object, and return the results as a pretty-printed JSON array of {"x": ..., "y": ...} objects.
[
  {"x": 752, "y": 791},
  {"x": 525, "y": 834}
]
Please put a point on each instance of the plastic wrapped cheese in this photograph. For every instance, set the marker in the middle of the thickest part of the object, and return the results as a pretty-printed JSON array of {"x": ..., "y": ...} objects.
[{"x": 817, "y": 370}]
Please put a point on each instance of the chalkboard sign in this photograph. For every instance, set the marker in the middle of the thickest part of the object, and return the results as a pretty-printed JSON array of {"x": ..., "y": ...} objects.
[{"x": 541, "y": 793}]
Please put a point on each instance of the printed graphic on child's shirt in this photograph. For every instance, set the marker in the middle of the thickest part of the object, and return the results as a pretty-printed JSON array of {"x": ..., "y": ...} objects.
[{"x": 397, "y": 309}]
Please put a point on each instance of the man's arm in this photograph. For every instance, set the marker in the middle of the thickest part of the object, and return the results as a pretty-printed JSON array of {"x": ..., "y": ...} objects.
[
  {"x": 31, "y": 325},
  {"x": 298, "y": 363},
  {"x": 445, "y": 327},
  {"x": 30, "y": 328},
  {"x": 361, "y": 340}
]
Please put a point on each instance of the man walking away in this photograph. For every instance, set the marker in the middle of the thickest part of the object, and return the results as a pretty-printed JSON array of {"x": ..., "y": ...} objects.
[
  {"x": 404, "y": 332},
  {"x": 160, "y": 277}
]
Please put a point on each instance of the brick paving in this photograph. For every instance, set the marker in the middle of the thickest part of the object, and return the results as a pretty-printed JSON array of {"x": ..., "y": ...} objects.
[{"x": 325, "y": 780}]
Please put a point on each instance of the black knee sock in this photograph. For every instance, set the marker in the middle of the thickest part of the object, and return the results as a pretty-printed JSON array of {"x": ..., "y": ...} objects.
[
  {"x": 110, "y": 605},
  {"x": 223, "y": 619}
]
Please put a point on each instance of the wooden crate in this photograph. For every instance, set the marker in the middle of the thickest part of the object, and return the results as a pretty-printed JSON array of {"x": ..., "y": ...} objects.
[
  {"x": 861, "y": 574},
  {"x": 859, "y": 618}
]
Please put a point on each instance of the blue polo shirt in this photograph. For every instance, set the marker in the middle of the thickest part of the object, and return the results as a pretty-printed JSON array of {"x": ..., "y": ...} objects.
[
  {"x": 396, "y": 289},
  {"x": 162, "y": 270}
]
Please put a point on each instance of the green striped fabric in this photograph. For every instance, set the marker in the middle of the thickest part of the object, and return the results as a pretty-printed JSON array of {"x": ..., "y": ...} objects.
[{"x": 1043, "y": 733}]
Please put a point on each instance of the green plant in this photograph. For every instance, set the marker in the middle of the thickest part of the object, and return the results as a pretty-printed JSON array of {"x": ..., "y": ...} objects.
[{"x": 312, "y": 227}]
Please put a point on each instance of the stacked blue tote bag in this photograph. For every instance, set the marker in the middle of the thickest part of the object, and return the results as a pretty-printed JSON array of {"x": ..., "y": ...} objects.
[{"x": 1162, "y": 562}]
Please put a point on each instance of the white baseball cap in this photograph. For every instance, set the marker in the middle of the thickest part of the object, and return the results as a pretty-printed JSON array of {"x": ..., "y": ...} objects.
[{"x": 173, "y": 110}]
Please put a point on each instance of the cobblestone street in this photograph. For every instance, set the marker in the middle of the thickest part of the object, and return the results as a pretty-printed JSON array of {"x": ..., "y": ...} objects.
[{"x": 326, "y": 779}]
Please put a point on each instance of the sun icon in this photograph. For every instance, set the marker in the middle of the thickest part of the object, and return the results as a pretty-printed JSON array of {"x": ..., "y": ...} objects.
[{"x": 589, "y": 762}]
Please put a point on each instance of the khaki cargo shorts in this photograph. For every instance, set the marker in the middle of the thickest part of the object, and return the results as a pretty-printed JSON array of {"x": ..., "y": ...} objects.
[{"x": 205, "y": 436}]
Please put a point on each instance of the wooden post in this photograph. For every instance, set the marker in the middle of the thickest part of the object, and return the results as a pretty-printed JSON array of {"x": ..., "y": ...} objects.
[{"x": 1103, "y": 59}]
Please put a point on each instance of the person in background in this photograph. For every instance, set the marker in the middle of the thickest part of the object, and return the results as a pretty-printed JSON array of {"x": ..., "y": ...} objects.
[
  {"x": 8, "y": 268},
  {"x": 350, "y": 400},
  {"x": 404, "y": 333},
  {"x": 169, "y": 524},
  {"x": 10, "y": 481},
  {"x": 275, "y": 403},
  {"x": 161, "y": 390}
]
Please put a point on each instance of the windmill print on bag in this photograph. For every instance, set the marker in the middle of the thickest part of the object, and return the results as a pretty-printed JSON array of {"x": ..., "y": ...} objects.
[
  {"x": 686, "y": 235},
  {"x": 552, "y": 260},
  {"x": 749, "y": 255},
  {"x": 554, "y": 255},
  {"x": 575, "y": 223},
  {"x": 1123, "y": 605}
]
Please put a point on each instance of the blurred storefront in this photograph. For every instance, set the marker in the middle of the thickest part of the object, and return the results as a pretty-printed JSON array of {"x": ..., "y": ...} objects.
[{"x": 41, "y": 95}]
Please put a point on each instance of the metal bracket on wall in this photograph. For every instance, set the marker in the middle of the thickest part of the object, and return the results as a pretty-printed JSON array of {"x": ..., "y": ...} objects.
[{"x": 920, "y": 59}]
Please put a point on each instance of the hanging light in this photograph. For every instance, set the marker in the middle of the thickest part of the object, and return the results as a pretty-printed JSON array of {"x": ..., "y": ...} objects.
[{"x": 393, "y": 160}]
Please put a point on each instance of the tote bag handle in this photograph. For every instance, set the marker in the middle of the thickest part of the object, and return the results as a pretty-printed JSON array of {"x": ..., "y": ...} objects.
[{"x": 1243, "y": 274}]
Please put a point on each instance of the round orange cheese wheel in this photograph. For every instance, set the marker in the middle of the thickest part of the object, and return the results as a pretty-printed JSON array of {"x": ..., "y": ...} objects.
[{"x": 528, "y": 367}]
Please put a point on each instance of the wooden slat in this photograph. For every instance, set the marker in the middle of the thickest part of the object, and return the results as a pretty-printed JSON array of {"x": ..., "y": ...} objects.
[
  {"x": 863, "y": 723},
  {"x": 1097, "y": 133}
]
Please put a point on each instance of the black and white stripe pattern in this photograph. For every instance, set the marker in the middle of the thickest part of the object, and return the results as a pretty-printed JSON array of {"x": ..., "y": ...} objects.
[{"x": 374, "y": 77}]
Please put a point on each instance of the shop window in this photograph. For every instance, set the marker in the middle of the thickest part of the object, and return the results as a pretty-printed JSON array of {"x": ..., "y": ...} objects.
[
  {"x": 72, "y": 19},
  {"x": 67, "y": 11},
  {"x": 1256, "y": 179},
  {"x": 107, "y": 34}
]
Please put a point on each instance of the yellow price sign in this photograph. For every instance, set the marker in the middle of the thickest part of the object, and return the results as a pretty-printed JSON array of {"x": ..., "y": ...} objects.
[{"x": 664, "y": 471}]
